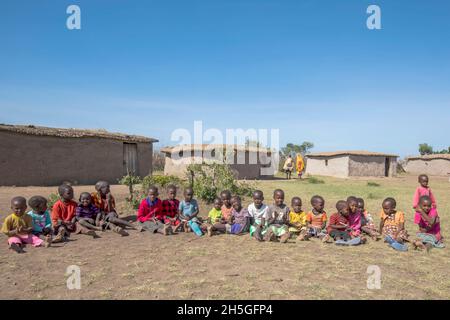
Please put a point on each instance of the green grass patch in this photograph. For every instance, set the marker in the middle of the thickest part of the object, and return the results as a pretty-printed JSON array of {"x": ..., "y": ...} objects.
[
  {"x": 314, "y": 180},
  {"x": 372, "y": 184}
]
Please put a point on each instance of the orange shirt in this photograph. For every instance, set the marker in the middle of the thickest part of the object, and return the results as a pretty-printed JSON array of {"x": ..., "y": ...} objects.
[
  {"x": 226, "y": 212},
  {"x": 64, "y": 211},
  {"x": 316, "y": 220},
  {"x": 395, "y": 220},
  {"x": 102, "y": 204}
]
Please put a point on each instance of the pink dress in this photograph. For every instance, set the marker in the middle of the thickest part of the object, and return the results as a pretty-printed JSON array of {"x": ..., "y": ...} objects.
[
  {"x": 421, "y": 191},
  {"x": 354, "y": 220},
  {"x": 436, "y": 229}
]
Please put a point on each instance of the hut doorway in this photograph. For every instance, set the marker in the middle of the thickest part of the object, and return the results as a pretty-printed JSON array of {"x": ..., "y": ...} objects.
[
  {"x": 387, "y": 166},
  {"x": 130, "y": 159}
]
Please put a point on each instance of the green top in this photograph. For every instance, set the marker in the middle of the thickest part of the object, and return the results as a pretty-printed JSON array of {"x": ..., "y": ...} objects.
[{"x": 215, "y": 215}]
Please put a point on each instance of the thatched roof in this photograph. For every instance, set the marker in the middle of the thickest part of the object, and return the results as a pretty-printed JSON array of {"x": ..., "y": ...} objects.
[
  {"x": 430, "y": 157},
  {"x": 203, "y": 147},
  {"x": 350, "y": 153},
  {"x": 73, "y": 133}
]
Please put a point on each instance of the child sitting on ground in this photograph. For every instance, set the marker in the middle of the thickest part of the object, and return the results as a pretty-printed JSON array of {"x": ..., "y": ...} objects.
[
  {"x": 339, "y": 226},
  {"x": 367, "y": 223},
  {"x": 392, "y": 225},
  {"x": 215, "y": 221},
  {"x": 87, "y": 212},
  {"x": 18, "y": 227},
  {"x": 170, "y": 209},
  {"x": 108, "y": 217},
  {"x": 278, "y": 219},
  {"x": 150, "y": 215},
  {"x": 354, "y": 218},
  {"x": 422, "y": 190},
  {"x": 297, "y": 219},
  {"x": 257, "y": 211},
  {"x": 64, "y": 220},
  {"x": 240, "y": 218},
  {"x": 41, "y": 221},
  {"x": 227, "y": 207},
  {"x": 316, "y": 219},
  {"x": 429, "y": 234},
  {"x": 188, "y": 212}
]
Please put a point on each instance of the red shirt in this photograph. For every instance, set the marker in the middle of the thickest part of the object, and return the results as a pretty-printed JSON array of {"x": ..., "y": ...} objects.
[
  {"x": 170, "y": 207},
  {"x": 148, "y": 210},
  {"x": 64, "y": 211},
  {"x": 337, "y": 218}
]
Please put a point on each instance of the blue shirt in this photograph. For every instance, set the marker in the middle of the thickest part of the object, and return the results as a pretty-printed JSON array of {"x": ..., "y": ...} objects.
[
  {"x": 188, "y": 208},
  {"x": 40, "y": 221}
]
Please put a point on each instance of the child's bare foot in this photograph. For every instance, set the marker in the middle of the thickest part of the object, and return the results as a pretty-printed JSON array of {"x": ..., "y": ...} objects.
[
  {"x": 301, "y": 237},
  {"x": 209, "y": 230},
  {"x": 17, "y": 248},
  {"x": 187, "y": 229},
  {"x": 60, "y": 236},
  {"x": 48, "y": 241},
  {"x": 269, "y": 236},
  {"x": 166, "y": 230},
  {"x": 120, "y": 231},
  {"x": 285, "y": 237},
  {"x": 177, "y": 228},
  {"x": 327, "y": 239},
  {"x": 139, "y": 228},
  {"x": 363, "y": 239}
]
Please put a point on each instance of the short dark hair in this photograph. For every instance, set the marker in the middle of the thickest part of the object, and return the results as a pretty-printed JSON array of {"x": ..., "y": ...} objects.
[
  {"x": 85, "y": 194},
  {"x": 257, "y": 193},
  {"x": 63, "y": 188},
  {"x": 153, "y": 188},
  {"x": 341, "y": 204},
  {"x": 19, "y": 199},
  {"x": 422, "y": 176},
  {"x": 352, "y": 198},
  {"x": 171, "y": 187},
  {"x": 100, "y": 184},
  {"x": 36, "y": 201},
  {"x": 278, "y": 191},
  {"x": 315, "y": 198},
  {"x": 425, "y": 198},
  {"x": 391, "y": 200},
  {"x": 227, "y": 193},
  {"x": 296, "y": 199}
]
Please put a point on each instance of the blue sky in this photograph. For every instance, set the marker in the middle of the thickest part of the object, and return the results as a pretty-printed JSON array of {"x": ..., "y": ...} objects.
[{"x": 309, "y": 68}]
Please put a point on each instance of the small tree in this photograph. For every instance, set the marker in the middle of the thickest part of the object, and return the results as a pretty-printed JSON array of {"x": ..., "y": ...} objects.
[
  {"x": 130, "y": 181},
  {"x": 425, "y": 148}
]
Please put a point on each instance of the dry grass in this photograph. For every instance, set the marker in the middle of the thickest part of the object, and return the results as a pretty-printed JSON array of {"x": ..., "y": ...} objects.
[{"x": 228, "y": 267}]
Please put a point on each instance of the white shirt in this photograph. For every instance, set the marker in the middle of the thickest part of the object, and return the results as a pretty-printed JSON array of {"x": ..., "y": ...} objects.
[{"x": 257, "y": 213}]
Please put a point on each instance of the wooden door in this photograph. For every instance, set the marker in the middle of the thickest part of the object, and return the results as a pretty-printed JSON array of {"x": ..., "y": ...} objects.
[{"x": 130, "y": 159}]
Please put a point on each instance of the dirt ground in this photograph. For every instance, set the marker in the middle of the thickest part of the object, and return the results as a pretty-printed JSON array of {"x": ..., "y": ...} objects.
[{"x": 144, "y": 266}]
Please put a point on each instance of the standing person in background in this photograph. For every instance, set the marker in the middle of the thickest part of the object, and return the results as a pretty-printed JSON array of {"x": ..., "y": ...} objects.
[
  {"x": 288, "y": 167},
  {"x": 300, "y": 165}
]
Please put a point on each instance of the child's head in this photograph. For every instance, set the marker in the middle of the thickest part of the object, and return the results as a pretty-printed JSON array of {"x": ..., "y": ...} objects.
[
  {"x": 65, "y": 192},
  {"x": 233, "y": 199},
  {"x": 225, "y": 195},
  {"x": 218, "y": 203},
  {"x": 423, "y": 180},
  {"x": 361, "y": 205},
  {"x": 296, "y": 204},
  {"x": 258, "y": 198},
  {"x": 19, "y": 205},
  {"x": 278, "y": 197},
  {"x": 188, "y": 194},
  {"x": 425, "y": 204},
  {"x": 389, "y": 205},
  {"x": 38, "y": 204},
  {"x": 318, "y": 203},
  {"x": 352, "y": 203},
  {"x": 237, "y": 203},
  {"x": 342, "y": 207},
  {"x": 103, "y": 187},
  {"x": 152, "y": 193},
  {"x": 85, "y": 199},
  {"x": 171, "y": 192}
]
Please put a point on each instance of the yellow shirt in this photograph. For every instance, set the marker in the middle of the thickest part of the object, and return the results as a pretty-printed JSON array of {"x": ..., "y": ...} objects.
[
  {"x": 13, "y": 222},
  {"x": 297, "y": 218}
]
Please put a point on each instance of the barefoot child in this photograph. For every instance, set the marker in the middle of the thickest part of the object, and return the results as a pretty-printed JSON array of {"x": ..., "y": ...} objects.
[
  {"x": 297, "y": 219},
  {"x": 188, "y": 212},
  {"x": 392, "y": 225},
  {"x": 215, "y": 221},
  {"x": 41, "y": 221},
  {"x": 170, "y": 209},
  {"x": 18, "y": 227},
  {"x": 422, "y": 190},
  {"x": 257, "y": 211},
  {"x": 278, "y": 219},
  {"x": 150, "y": 215},
  {"x": 108, "y": 217},
  {"x": 64, "y": 220},
  {"x": 354, "y": 217},
  {"x": 240, "y": 218},
  {"x": 227, "y": 207},
  {"x": 429, "y": 225},
  {"x": 367, "y": 223},
  {"x": 87, "y": 212},
  {"x": 316, "y": 219},
  {"x": 339, "y": 226}
]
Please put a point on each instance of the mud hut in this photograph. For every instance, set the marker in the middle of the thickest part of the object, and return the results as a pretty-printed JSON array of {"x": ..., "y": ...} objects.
[
  {"x": 246, "y": 162},
  {"x": 41, "y": 156},
  {"x": 344, "y": 164},
  {"x": 433, "y": 164}
]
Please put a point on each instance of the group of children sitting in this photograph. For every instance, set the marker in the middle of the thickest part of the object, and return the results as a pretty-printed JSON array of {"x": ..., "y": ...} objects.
[{"x": 349, "y": 225}]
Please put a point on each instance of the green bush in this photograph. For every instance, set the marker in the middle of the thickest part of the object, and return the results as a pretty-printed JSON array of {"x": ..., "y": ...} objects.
[
  {"x": 372, "y": 184},
  {"x": 315, "y": 180},
  {"x": 51, "y": 200},
  {"x": 208, "y": 180}
]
